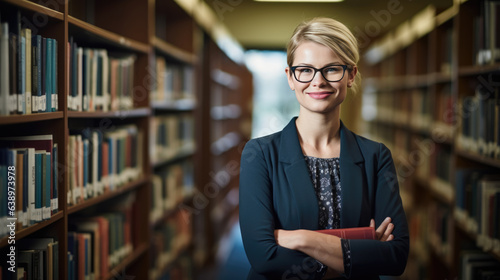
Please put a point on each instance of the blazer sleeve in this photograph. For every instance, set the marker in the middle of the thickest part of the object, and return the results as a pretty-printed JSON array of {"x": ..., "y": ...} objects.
[
  {"x": 257, "y": 222},
  {"x": 370, "y": 257}
]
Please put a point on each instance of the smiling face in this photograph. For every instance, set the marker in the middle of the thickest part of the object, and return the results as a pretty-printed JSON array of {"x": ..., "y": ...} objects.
[{"x": 319, "y": 95}]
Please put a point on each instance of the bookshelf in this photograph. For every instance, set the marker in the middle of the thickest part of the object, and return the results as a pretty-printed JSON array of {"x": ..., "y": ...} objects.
[
  {"x": 130, "y": 112},
  {"x": 435, "y": 79}
]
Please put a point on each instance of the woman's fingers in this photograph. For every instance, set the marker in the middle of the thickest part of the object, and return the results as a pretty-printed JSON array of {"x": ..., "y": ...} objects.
[
  {"x": 388, "y": 232},
  {"x": 384, "y": 231}
]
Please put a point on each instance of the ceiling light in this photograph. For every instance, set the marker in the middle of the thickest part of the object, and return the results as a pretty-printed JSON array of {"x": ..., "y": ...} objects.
[{"x": 304, "y": 1}]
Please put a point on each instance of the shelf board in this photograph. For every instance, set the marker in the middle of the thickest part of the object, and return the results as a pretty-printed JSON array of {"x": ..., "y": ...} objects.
[
  {"x": 173, "y": 51},
  {"x": 478, "y": 158},
  {"x": 478, "y": 69},
  {"x": 438, "y": 78},
  {"x": 181, "y": 153},
  {"x": 108, "y": 36},
  {"x": 102, "y": 198},
  {"x": 174, "y": 105},
  {"x": 181, "y": 244},
  {"x": 34, "y": 228},
  {"x": 442, "y": 133},
  {"x": 28, "y": 5},
  {"x": 16, "y": 119},
  {"x": 443, "y": 190},
  {"x": 169, "y": 212},
  {"x": 134, "y": 113},
  {"x": 473, "y": 235},
  {"x": 118, "y": 271}
]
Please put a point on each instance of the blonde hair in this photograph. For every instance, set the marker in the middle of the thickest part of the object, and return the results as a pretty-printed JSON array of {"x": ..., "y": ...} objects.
[{"x": 332, "y": 34}]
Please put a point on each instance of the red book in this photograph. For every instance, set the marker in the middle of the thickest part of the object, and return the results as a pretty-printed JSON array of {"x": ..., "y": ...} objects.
[{"x": 351, "y": 233}]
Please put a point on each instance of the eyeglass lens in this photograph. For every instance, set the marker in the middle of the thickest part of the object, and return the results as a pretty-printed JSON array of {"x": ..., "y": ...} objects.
[{"x": 332, "y": 73}]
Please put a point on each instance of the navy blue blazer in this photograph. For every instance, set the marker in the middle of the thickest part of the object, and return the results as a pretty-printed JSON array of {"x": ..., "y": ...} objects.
[{"x": 276, "y": 192}]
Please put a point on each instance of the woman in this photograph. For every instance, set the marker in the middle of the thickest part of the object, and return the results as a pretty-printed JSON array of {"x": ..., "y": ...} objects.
[{"x": 316, "y": 174}]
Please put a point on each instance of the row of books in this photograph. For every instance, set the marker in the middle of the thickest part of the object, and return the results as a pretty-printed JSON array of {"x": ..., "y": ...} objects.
[
  {"x": 173, "y": 82},
  {"x": 477, "y": 265},
  {"x": 168, "y": 242},
  {"x": 101, "y": 161},
  {"x": 28, "y": 71},
  {"x": 486, "y": 47},
  {"x": 477, "y": 205},
  {"x": 29, "y": 179},
  {"x": 171, "y": 185},
  {"x": 480, "y": 118},
  {"x": 98, "y": 243},
  {"x": 440, "y": 227},
  {"x": 37, "y": 258},
  {"x": 100, "y": 80},
  {"x": 420, "y": 114},
  {"x": 171, "y": 135}
]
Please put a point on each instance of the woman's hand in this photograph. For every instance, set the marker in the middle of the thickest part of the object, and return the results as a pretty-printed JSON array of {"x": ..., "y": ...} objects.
[{"x": 384, "y": 231}]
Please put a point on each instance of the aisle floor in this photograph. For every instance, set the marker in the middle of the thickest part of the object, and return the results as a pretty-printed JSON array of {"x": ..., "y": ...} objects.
[
  {"x": 234, "y": 263},
  {"x": 231, "y": 261}
]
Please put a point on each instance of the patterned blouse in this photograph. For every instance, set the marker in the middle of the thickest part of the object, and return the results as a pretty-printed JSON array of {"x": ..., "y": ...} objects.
[{"x": 325, "y": 175}]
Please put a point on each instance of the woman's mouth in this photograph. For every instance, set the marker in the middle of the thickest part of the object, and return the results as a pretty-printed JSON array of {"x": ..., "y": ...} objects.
[{"x": 319, "y": 95}]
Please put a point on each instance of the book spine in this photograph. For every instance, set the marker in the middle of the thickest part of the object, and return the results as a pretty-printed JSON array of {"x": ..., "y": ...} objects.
[
  {"x": 37, "y": 209},
  {"x": 55, "y": 99},
  {"x": 55, "y": 180},
  {"x": 48, "y": 75},
  {"x": 27, "y": 34},
  {"x": 43, "y": 99},
  {"x": 30, "y": 190},
  {"x": 4, "y": 69},
  {"x": 21, "y": 100},
  {"x": 13, "y": 82},
  {"x": 48, "y": 185}
]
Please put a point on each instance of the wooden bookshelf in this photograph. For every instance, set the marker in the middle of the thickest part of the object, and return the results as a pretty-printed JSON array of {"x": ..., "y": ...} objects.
[
  {"x": 437, "y": 158},
  {"x": 147, "y": 31}
]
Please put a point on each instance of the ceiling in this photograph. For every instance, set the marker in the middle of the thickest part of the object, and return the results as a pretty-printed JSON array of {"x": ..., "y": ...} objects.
[{"x": 265, "y": 25}]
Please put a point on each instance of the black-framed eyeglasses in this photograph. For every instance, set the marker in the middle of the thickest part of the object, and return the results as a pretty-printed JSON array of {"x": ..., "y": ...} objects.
[{"x": 331, "y": 73}]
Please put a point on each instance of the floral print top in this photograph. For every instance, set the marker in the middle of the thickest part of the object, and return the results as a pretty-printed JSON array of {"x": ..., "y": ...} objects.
[{"x": 325, "y": 175}]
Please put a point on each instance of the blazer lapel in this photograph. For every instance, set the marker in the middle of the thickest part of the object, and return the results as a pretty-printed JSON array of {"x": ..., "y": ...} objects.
[
  {"x": 351, "y": 178},
  {"x": 298, "y": 177}
]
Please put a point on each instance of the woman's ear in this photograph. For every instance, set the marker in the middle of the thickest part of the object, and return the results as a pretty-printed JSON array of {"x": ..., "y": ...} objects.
[
  {"x": 290, "y": 79},
  {"x": 352, "y": 75}
]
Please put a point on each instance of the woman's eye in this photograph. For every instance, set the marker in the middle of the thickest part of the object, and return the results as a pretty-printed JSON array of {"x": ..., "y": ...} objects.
[
  {"x": 332, "y": 69},
  {"x": 305, "y": 70}
]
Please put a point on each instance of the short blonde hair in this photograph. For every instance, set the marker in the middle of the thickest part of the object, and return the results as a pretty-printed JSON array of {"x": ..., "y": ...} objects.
[{"x": 330, "y": 33}]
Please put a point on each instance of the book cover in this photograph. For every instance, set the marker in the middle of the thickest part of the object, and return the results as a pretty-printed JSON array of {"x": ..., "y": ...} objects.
[{"x": 351, "y": 233}]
